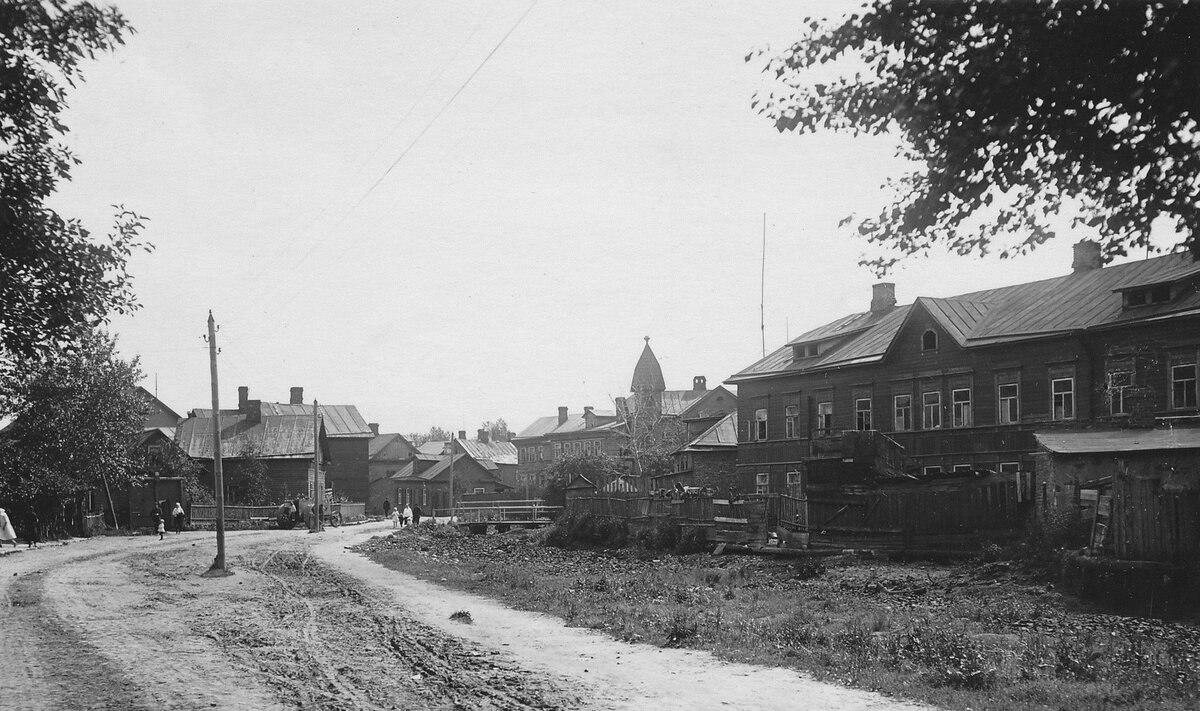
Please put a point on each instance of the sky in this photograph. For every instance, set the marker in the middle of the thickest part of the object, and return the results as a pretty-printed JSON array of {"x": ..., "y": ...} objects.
[{"x": 449, "y": 212}]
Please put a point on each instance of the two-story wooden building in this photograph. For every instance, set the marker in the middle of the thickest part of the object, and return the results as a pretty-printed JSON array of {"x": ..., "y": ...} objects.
[{"x": 962, "y": 383}]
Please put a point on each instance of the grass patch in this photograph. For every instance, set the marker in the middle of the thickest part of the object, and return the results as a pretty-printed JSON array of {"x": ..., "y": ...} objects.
[{"x": 957, "y": 636}]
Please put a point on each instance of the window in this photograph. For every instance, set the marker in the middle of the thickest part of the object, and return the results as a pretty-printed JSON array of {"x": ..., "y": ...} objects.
[
  {"x": 825, "y": 416},
  {"x": 1118, "y": 382},
  {"x": 931, "y": 410},
  {"x": 1183, "y": 385},
  {"x": 793, "y": 478},
  {"x": 862, "y": 413},
  {"x": 558, "y": 450},
  {"x": 1009, "y": 402},
  {"x": 760, "y": 424},
  {"x": 930, "y": 471},
  {"x": 1063, "y": 392},
  {"x": 961, "y": 401},
  {"x": 960, "y": 468},
  {"x": 791, "y": 414},
  {"x": 479, "y": 490},
  {"x": 903, "y": 413},
  {"x": 929, "y": 340},
  {"x": 1010, "y": 467},
  {"x": 762, "y": 483}
]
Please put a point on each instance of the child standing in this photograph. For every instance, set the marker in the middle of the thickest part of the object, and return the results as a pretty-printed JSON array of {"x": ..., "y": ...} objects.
[{"x": 159, "y": 524}]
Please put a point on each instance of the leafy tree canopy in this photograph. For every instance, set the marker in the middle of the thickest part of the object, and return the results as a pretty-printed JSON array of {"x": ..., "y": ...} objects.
[
  {"x": 600, "y": 469},
  {"x": 56, "y": 279},
  {"x": 76, "y": 416},
  {"x": 435, "y": 434},
  {"x": 1012, "y": 113}
]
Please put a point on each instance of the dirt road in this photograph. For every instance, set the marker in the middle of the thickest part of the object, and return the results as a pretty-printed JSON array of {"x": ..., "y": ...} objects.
[{"x": 127, "y": 623}]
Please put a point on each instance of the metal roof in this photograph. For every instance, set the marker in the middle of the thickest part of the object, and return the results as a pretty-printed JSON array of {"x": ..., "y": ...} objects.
[
  {"x": 722, "y": 435},
  {"x": 1077, "y": 301},
  {"x": 498, "y": 452},
  {"x": 1094, "y": 442},
  {"x": 275, "y": 436},
  {"x": 381, "y": 442},
  {"x": 436, "y": 446},
  {"x": 339, "y": 420},
  {"x": 647, "y": 374}
]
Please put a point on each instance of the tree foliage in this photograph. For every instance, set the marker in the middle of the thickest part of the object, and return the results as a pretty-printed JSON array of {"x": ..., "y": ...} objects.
[
  {"x": 76, "y": 417},
  {"x": 1012, "y": 113},
  {"x": 248, "y": 483},
  {"x": 497, "y": 431},
  {"x": 56, "y": 279},
  {"x": 435, "y": 434},
  {"x": 600, "y": 469}
]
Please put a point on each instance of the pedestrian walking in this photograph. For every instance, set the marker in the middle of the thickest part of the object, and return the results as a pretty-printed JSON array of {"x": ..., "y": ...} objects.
[
  {"x": 177, "y": 516},
  {"x": 387, "y": 509},
  {"x": 395, "y": 516},
  {"x": 416, "y": 515},
  {"x": 7, "y": 533},
  {"x": 159, "y": 524},
  {"x": 33, "y": 529},
  {"x": 406, "y": 516}
]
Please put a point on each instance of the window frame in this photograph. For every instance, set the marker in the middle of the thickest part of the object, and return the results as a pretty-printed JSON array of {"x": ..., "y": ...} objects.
[
  {"x": 1118, "y": 403},
  {"x": 791, "y": 418},
  {"x": 793, "y": 478},
  {"x": 825, "y": 416},
  {"x": 762, "y": 482},
  {"x": 931, "y": 470},
  {"x": 933, "y": 408},
  {"x": 908, "y": 414},
  {"x": 961, "y": 414},
  {"x": 926, "y": 340},
  {"x": 961, "y": 468},
  {"x": 1014, "y": 417},
  {"x": 760, "y": 427},
  {"x": 1175, "y": 389},
  {"x": 863, "y": 415},
  {"x": 1067, "y": 399},
  {"x": 1014, "y": 467}
]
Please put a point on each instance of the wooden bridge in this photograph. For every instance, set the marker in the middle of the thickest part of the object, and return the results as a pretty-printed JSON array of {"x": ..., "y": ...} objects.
[{"x": 478, "y": 516}]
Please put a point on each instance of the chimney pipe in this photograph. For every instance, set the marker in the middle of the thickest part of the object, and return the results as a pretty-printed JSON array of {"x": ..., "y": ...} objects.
[
  {"x": 482, "y": 436},
  {"x": 699, "y": 383},
  {"x": 374, "y": 428},
  {"x": 1086, "y": 256},
  {"x": 243, "y": 397},
  {"x": 297, "y": 396},
  {"x": 562, "y": 415},
  {"x": 883, "y": 297}
]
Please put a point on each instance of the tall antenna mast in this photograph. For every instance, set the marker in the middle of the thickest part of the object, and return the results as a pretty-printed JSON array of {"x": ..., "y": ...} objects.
[{"x": 762, "y": 297}]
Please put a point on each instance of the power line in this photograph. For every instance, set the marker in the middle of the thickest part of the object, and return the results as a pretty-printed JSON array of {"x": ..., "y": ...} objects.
[{"x": 415, "y": 140}]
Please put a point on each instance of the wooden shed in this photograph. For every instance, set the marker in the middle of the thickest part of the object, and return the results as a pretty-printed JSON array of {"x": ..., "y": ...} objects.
[{"x": 1151, "y": 479}]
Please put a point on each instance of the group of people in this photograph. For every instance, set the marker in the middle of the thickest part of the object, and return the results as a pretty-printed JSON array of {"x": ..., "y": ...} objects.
[
  {"x": 178, "y": 517},
  {"x": 33, "y": 529},
  {"x": 410, "y": 514}
]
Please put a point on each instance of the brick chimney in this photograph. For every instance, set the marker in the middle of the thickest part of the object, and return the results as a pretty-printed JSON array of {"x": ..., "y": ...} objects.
[
  {"x": 1087, "y": 256},
  {"x": 883, "y": 297},
  {"x": 482, "y": 436},
  {"x": 297, "y": 396},
  {"x": 462, "y": 434},
  {"x": 243, "y": 397},
  {"x": 699, "y": 383},
  {"x": 562, "y": 415},
  {"x": 374, "y": 428}
]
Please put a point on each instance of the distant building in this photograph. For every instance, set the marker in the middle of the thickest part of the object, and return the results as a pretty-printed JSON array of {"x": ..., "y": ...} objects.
[
  {"x": 497, "y": 456},
  {"x": 387, "y": 454},
  {"x": 710, "y": 459}
]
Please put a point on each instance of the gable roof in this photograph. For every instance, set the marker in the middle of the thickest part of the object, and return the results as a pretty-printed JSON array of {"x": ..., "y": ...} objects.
[
  {"x": 1078, "y": 301},
  {"x": 272, "y": 437},
  {"x": 378, "y": 445},
  {"x": 433, "y": 446},
  {"x": 338, "y": 420},
  {"x": 498, "y": 452},
  {"x": 157, "y": 406},
  {"x": 575, "y": 422},
  {"x": 722, "y": 435}
]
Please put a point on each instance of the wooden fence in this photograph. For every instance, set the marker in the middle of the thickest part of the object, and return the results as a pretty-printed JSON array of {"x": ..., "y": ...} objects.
[{"x": 951, "y": 514}]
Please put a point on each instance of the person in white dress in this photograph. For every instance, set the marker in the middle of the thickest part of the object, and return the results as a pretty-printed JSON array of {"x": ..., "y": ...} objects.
[
  {"x": 407, "y": 515},
  {"x": 7, "y": 534}
]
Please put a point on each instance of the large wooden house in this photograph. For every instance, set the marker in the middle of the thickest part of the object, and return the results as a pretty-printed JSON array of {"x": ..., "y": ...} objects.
[{"x": 962, "y": 384}]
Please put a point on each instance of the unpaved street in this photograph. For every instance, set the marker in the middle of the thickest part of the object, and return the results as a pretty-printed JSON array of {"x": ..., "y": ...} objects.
[{"x": 127, "y": 623}]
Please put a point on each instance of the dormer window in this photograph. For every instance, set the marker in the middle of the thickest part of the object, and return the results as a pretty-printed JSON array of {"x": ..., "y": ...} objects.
[
  {"x": 806, "y": 350},
  {"x": 929, "y": 340},
  {"x": 1146, "y": 296}
]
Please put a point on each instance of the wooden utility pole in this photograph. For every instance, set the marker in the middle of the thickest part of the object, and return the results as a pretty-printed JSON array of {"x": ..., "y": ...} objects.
[
  {"x": 317, "y": 484},
  {"x": 451, "y": 479},
  {"x": 218, "y": 565}
]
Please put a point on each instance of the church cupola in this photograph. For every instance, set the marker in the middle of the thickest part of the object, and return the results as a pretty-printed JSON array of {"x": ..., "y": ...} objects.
[{"x": 647, "y": 375}]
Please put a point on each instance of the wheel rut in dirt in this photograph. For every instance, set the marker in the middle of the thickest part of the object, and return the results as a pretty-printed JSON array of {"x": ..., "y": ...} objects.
[
  {"x": 53, "y": 666},
  {"x": 324, "y": 644}
]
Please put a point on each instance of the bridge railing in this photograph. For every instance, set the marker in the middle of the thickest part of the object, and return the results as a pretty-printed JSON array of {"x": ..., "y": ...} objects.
[{"x": 510, "y": 510}]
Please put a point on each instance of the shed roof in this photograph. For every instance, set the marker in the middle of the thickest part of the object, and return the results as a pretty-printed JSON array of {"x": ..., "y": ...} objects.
[
  {"x": 722, "y": 435},
  {"x": 1097, "y": 442}
]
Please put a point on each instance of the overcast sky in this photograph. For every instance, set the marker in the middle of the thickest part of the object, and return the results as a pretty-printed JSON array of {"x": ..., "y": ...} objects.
[{"x": 359, "y": 230}]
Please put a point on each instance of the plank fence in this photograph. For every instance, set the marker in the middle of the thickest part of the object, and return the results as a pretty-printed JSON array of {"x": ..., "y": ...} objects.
[{"x": 950, "y": 514}]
